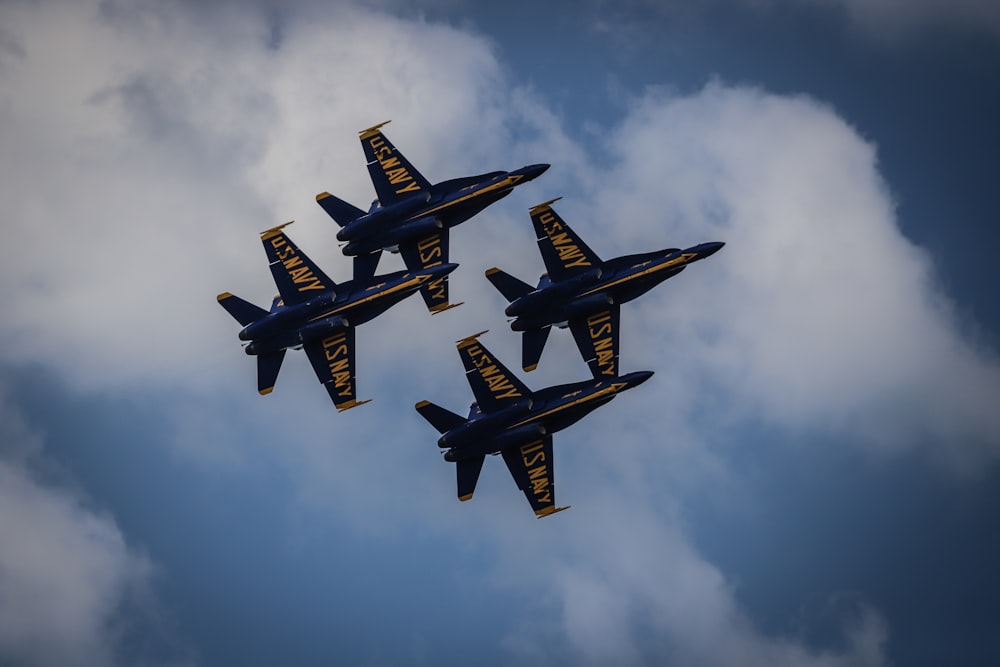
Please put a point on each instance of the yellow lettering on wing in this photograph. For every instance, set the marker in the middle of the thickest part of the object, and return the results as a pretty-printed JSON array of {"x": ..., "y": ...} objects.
[
  {"x": 339, "y": 363},
  {"x": 541, "y": 483},
  {"x": 569, "y": 252},
  {"x": 496, "y": 381},
  {"x": 394, "y": 171},
  {"x": 298, "y": 271},
  {"x": 599, "y": 327},
  {"x": 430, "y": 252}
]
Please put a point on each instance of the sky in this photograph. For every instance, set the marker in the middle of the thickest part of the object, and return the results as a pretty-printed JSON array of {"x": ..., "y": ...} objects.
[{"x": 811, "y": 478}]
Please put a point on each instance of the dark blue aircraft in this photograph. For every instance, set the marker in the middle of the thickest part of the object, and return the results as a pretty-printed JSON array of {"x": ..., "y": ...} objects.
[
  {"x": 582, "y": 292},
  {"x": 509, "y": 419},
  {"x": 315, "y": 313},
  {"x": 411, "y": 216}
]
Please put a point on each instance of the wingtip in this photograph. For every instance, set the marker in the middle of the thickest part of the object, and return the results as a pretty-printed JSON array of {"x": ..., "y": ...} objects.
[
  {"x": 223, "y": 296},
  {"x": 351, "y": 404},
  {"x": 273, "y": 231},
  {"x": 529, "y": 367},
  {"x": 466, "y": 497},
  {"x": 550, "y": 510},
  {"x": 469, "y": 340},
  {"x": 544, "y": 205},
  {"x": 422, "y": 404},
  {"x": 492, "y": 270},
  {"x": 373, "y": 129},
  {"x": 265, "y": 391},
  {"x": 323, "y": 195},
  {"x": 435, "y": 310}
]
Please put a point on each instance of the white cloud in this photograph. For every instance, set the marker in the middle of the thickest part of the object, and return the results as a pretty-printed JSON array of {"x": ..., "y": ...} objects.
[
  {"x": 136, "y": 183},
  {"x": 66, "y": 571}
]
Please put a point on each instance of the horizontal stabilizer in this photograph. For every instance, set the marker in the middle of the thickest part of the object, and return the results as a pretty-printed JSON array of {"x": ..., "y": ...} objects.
[
  {"x": 532, "y": 344},
  {"x": 512, "y": 288},
  {"x": 243, "y": 311},
  {"x": 441, "y": 419},
  {"x": 338, "y": 209},
  {"x": 268, "y": 366},
  {"x": 467, "y": 471},
  {"x": 365, "y": 266}
]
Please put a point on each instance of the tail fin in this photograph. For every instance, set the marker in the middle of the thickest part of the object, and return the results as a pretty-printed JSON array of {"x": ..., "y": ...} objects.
[
  {"x": 532, "y": 344},
  {"x": 242, "y": 311},
  {"x": 441, "y": 419},
  {"x": 511, "y": 287},
  {"x": 268, "y": 366},
  {"x": 338, "y": 209},
  {"x": 467, "y": 471}
]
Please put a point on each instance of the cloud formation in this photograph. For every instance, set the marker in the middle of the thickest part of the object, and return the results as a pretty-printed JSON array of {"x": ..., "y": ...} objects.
[
  {"x": 67, "y": 574},
  {"x": 135, "y": 186}
]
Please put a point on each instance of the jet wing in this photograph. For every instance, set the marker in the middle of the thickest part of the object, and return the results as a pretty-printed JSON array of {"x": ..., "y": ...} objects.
[
  {"x": 492, "y": 384},
  {"x": 597, "y": 337},
  {"x": 296, "y": 276},
  {"x": 564, "y": 253},
  {"x": 530, "y": 465},
  {"x": 423, "y": 254},
  {"x": 392, "y": 174},
  {"x": 333, "y": 360}
]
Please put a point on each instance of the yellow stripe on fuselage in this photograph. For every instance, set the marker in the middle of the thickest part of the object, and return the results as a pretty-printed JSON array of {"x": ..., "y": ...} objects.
[
  {"x": 510, "y": 180},
  {"x": 610, "y": 389},
  {"x": 683, "y": 259},
  {"x": 412, "y": 281}
]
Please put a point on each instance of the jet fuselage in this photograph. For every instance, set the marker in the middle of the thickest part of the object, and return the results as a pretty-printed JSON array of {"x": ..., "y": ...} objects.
[
  {"x": 449, "y": 204},
  {"x": 350, "y": 304},
  {"x": 546, "y": 412},
  {"x": 617, "y": 281}
]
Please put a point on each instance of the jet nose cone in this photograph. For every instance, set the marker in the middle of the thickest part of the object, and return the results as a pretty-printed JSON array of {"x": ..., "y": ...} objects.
[
  {"x": 637, "y": 378},
  {"x": 709, "y": 249},
  {"x": 533, "y": 171}
]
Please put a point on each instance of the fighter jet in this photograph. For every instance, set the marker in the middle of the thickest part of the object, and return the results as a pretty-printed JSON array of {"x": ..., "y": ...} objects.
[
  {"x": 582, "y": 292},
  {"x": 313, "y": 312},
  {"x": 509, "y": 419},
  {"x": 411, "y": 216}
]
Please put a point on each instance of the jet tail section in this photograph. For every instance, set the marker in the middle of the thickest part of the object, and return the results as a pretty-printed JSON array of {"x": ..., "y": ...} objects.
[
  {"x": 512, "y": 288},
  {"x": 242, "y": 311},
  {"x": 441, "y": 419},
  {"x": 467, "y": 471},
  {"x": 338, "y": 209},
  {"x": 268, "y": 366}
]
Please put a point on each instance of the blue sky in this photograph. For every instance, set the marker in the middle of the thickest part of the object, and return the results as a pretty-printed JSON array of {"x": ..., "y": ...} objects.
[{"x": 810, "y": 478}]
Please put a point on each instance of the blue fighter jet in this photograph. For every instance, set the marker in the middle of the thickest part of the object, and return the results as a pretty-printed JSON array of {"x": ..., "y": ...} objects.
[
  {"x": 582, "y": 292},
  {"x": 509, "y": 419},
  {"x": 411, "y": 216},
  {"x": 313, "y": 312}
]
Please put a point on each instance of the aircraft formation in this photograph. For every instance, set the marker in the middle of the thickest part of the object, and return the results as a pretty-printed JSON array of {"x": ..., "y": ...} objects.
[{"x": 412, "y": 217}]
